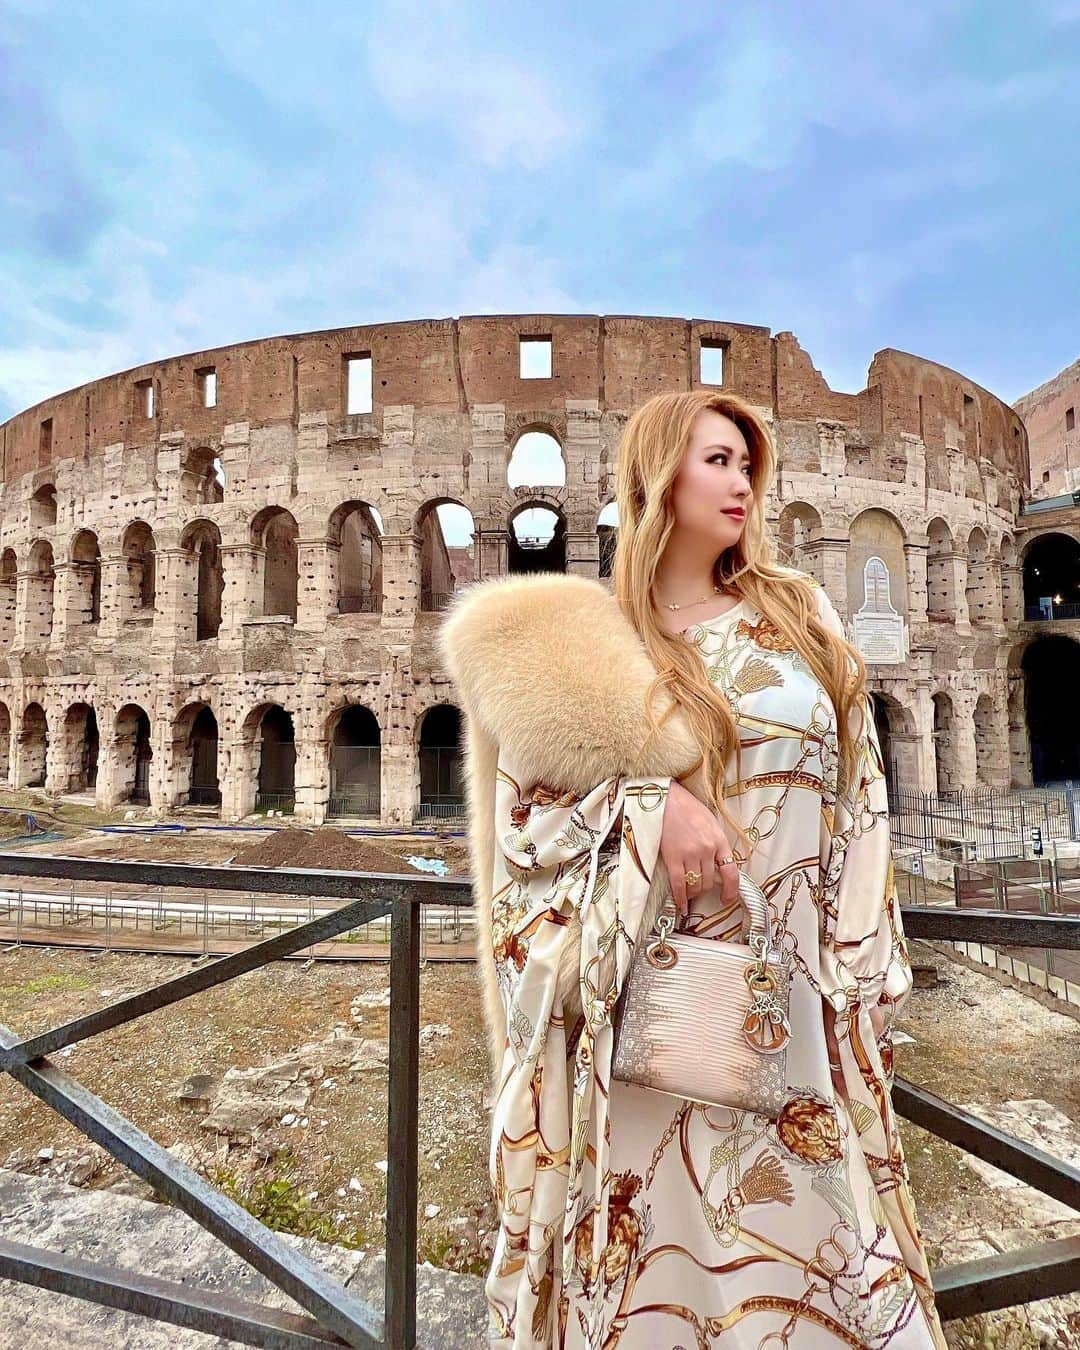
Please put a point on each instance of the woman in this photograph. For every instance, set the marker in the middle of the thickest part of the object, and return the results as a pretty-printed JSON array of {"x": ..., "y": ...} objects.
[{"x": 709, "y": 716}]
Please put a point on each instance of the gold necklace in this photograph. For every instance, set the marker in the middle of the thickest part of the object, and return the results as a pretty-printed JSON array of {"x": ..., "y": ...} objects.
[{"x": 717, "y": 590}]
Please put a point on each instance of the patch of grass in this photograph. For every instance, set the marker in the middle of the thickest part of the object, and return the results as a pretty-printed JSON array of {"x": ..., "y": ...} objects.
[
  {"x": 277, "y": 1201},
  {"x": 47, "y": 984}
]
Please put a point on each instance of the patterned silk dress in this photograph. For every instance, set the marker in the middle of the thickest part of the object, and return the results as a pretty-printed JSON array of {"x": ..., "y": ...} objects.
[{"x": 637, "y": 1220}]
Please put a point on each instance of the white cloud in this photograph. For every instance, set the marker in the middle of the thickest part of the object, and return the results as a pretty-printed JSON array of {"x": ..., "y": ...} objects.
[{"x": 504, "y": 108}]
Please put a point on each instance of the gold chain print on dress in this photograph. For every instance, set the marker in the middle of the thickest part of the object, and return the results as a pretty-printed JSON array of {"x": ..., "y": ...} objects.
[{"x": 633, "y": 1221}]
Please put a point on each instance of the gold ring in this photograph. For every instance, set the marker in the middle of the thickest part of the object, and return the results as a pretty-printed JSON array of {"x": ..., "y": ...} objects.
[
  {"x": 692, "y": 878},
  {"x": 729, "y": 859}
]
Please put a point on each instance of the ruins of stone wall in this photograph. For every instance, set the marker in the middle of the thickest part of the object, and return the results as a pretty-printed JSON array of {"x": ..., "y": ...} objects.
[{"x": 922, "y": 468}]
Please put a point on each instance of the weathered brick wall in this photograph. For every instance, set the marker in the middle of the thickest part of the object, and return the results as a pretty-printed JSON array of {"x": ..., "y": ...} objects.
[
  {"x": 942, "y": 457},
  {"x": 1055, "y": 444}
]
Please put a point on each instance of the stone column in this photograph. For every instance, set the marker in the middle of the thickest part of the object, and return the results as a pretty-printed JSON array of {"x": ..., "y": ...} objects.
[
  {"x": 922, "y": 708},
  {"x": 57, "y": 768},
  {"x": 305, "y": 780},
  {"x": 582, "y": 454},
  {"x": 1020, "y": 774},
  {"x": 114, "y": 596},
  {"x": 241, "y": 599},
  {"x": 829, "y": 554},
  {"x": 1012, "y": 594},
  {"x": 236, "y": 765},
  {"x": 915, "y": 551},
  {"x": 399, "y": 787},
  {"x": 955, "y": 567},
  {"x": 401, "y": 579},
  {"x": 491, "y": 548},
  {"x": 963, "y": 737},
  {"x": 583, "y": 553},
  {"x": 317, "y": 593},
  {"x": 24, "y": 620},
  {"x": 66, "y": 581},
  {"x": 175, "y": 583}
]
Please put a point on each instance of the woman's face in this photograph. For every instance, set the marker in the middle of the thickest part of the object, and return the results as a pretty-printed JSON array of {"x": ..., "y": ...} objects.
[{"x": 711, "y": 494}]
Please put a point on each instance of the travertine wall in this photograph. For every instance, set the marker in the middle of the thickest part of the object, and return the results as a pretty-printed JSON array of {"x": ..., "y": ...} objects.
[
  {"x": 1052, "y": 416},
  {"x": 319, "y": 610}
]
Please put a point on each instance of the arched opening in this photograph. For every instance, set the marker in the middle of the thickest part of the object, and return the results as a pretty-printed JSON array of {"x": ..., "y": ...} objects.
[
  {"x": 446, "y": 555},
  {"x": 441, "y": 785},
  {"x": 1051, "y": 667},
  {"x": 537, "y": 540},
  {"x": 355, "y": 535},
  {"x": 355, "y": 767},
  {"x": 81, "y": 744},
  {"x": 43, "y": 507},
  {"x": 945, "y": 744},
  {"x": 39, "y": 593},
  {"x": 1052, "y": 578},
  {"x": 799, "y": 522},
  {"x": 84, "y": 595},
  {"x": 979, "y": 590},
  {"x": 196, "y": 746},
  {"x": 276, "y": 771},
  {"x": 884, "y": 735},
  {"x": 133, "y": 755},
  {"x": 939, "y": 590},
  {"x": 202, "y": 479},
  {"x": 33, "y": 746},
  {"x": 202, "y": 541},
  {"x": 8, "y": 594},
  {"x": 274, "y": 533},
  {"x": 141, "y": 584},
  {"x": 536, "y": 460},
  {"x": 5, "y": 745},
  {"x": 607, "y": 533}
]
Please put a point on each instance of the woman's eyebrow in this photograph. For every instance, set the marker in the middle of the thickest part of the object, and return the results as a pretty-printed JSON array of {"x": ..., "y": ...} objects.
[{"x": 729, "y": 450}]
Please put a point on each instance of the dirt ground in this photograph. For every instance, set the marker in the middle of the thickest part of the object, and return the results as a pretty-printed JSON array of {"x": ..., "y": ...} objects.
[{"x": 284, "y": 846}]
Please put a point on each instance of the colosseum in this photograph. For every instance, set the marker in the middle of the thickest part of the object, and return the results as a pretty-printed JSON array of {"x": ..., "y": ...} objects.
[{"x": 222, "y": 574}]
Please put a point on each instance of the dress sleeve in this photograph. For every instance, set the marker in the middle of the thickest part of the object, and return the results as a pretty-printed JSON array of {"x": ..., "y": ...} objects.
[{"x": 864, "y": 957}]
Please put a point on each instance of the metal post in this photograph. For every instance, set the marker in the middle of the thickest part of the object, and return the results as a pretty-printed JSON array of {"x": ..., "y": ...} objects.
[
  {"x": 402, "y": 1125},
  {"x": 19, "y": 921},
  {"x": 205, "y": 923},
  {"x": 108, "y": 919}
]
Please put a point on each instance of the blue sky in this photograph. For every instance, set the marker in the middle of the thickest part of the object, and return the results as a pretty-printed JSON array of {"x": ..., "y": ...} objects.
[{"x": 864, "y": 175}]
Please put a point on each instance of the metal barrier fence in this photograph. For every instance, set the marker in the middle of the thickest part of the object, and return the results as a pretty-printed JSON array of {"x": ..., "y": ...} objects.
[
  {"x": 126, "y": 919},
  {"x": 336, "y": 1316},
  {"x": 981, "y": 822}
]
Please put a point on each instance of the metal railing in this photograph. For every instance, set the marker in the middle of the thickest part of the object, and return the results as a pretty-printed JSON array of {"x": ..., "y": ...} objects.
[
  {"x": 985, "y": 822},
  {"x": 337, "y": 1316}
]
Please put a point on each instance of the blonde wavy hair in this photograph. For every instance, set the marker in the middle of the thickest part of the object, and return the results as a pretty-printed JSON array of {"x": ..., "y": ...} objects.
[{"x": 651, "y": 452}]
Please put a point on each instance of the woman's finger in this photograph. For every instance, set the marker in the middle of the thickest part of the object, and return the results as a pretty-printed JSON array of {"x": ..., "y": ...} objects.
[
  {"x": 728, "y": 877},
  {"x": 706, "y": 865},
  {"x": 677, "y": 877}
]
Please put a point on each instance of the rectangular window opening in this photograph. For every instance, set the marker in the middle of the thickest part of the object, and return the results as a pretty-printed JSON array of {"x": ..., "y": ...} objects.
[
  {"x": 358, "y": 375},
  {"x": 534, "y": 356},
  {"x": 712, "y": 361},
  {"x": 207, "y": 378},
  {"x": 1046, "y": 475},
  {"x": 45, "y": 442},
  {"x": 1070, "y": 419},
  {"x": 144, "y": 398}
]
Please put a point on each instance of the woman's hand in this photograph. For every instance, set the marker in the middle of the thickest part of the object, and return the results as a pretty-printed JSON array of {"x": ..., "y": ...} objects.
[{"x": 693, "y": 840}]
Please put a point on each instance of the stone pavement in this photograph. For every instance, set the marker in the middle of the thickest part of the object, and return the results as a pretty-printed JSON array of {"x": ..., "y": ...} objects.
[{"x": 158, "y": 1240}]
